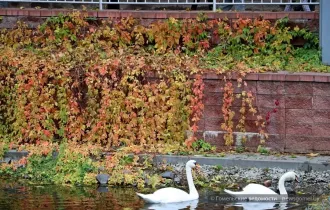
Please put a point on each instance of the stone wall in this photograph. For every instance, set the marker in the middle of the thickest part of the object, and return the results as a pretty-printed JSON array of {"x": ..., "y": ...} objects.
[{"x": 300, "y": 125}]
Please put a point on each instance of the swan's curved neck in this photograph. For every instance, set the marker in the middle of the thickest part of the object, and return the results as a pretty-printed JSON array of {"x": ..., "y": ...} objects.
[
  {"x": 281, "y": 186},
  {"x": 192, "y": 189}
]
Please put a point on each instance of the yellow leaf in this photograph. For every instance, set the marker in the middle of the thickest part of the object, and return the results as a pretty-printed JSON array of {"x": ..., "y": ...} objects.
[{"x": 313, "y": 155}]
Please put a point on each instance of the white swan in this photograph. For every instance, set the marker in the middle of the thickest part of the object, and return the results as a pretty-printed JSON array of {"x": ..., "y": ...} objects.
[
  {"x": 257, "y": 189},
  {"x": 173, "y": 195}
]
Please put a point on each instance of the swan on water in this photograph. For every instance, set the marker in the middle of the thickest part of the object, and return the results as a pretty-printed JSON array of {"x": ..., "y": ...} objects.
[
  {"x": 257, "y": 189},
  {"x": 171, "y": 194}
]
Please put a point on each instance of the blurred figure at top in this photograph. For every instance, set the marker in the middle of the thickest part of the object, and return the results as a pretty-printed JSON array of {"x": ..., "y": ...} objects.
[
  {"x": 305, "y": 7},
  {"x": 238, "y": 7}
]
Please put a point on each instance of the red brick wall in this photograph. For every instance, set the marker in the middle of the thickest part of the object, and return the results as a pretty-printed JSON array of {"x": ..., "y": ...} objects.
[
  {"x": 34, "y": 17},
  {"x": 301, "y": 123}
]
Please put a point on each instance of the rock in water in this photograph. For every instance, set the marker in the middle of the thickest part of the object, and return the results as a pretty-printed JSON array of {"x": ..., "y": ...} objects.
[
  {"x": 6, "y": 160},
  {"x": 168, "y": 175},
  {"x": 102, "y": 178}
]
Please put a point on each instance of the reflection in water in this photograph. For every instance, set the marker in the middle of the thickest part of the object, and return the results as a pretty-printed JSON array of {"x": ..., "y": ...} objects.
[
  {"x": 173, "y": 206},
  {"x": 103, "y": 189},
  {"x": 22, "y": 197},
  {"x": 260, "y": 205}
]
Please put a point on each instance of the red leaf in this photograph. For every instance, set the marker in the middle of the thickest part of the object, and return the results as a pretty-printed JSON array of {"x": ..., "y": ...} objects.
[
  {"x": 277, "y": 103},
  {"x": 103, "y": 70}
]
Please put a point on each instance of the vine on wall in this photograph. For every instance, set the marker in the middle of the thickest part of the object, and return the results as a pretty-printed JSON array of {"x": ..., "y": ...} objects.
[{"x": 85, "y": 80}]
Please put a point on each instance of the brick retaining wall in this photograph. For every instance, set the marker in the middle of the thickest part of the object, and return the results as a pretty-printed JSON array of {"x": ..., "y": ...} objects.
[
  {"x": 163, "y": 14},
  {"x": 301, "y": 123},
  {"x": 36, "y": 16}
]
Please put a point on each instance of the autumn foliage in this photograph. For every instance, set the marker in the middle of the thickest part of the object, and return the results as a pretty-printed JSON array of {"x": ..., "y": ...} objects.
[
  {"x": 117, "y": 82},
  {"x": 79, "y": 81}
]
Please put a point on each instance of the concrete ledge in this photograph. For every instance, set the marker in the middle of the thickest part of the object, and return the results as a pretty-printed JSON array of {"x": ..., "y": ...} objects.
[
  {"x": 300, "y": 163},
  {"x": 278, "y": 76}
]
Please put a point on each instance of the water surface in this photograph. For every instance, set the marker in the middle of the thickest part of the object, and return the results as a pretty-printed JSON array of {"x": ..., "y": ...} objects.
[{"x": 30, "y": 197}]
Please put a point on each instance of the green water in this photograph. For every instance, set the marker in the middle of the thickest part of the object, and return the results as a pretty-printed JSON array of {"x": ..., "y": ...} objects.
[{"x": 25, "y": 197}]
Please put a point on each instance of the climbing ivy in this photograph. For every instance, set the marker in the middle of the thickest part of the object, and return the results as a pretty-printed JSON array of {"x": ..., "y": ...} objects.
[{"x": 116, "y": 82}]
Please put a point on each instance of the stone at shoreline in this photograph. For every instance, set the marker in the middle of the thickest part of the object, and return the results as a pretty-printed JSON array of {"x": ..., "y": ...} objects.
[
  {"x": 177, "y": 180},
  {"x": 168, "y": 175},
  {"x": 310, "y": 182},
  {"x": 16, "y": 155},
  {"x": 6, "y": 160},
  {"x": 102, "y": 178}
]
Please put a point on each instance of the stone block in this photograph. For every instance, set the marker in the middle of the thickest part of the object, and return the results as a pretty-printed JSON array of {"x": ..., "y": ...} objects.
[
  {"x": 213, "y": 98},
  {"x": 321, "y": 89},
  {"x": 214, "y": 137},
  {"x": 321, "y": 116},
  {"x": 275, "y": 128},
  {"x": 270, "y": 88},
  {"x": 299, "y": 129},
  {"x": 268, "y": 101},
  {"x": 299, "y": 116},
  {"x": 275, "y": 143},
  {"x": 298, "y": 102},
  {"x": 299, "y": 144},
  {"x": 321, "y": 130},
  {"x": 213, "y": 124},
  {"x": 299, "y": 88},
  {"x": 322, "y": 144},
  {"x": 213, "y": 111},
  {"x": 321, "y": 102}
]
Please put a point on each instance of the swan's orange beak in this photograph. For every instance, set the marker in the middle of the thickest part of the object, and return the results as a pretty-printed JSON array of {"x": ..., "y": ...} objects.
[{"x": 297, "y": 179}]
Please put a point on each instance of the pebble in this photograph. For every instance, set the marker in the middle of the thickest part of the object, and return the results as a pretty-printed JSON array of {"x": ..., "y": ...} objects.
[{"x": 177, "y": 180}]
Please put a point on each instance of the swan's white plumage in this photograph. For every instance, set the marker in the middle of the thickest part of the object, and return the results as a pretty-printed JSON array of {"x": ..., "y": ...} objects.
[
  {"x": 252, "y": 189},
  {"x": 257, "y": 189},
  {"x": 173, "y": 195},
  {"x": 166, "y": 195}
]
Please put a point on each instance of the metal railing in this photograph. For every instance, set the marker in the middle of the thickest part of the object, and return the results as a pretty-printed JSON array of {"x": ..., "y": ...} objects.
[{"x": 213, "y": 3}]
